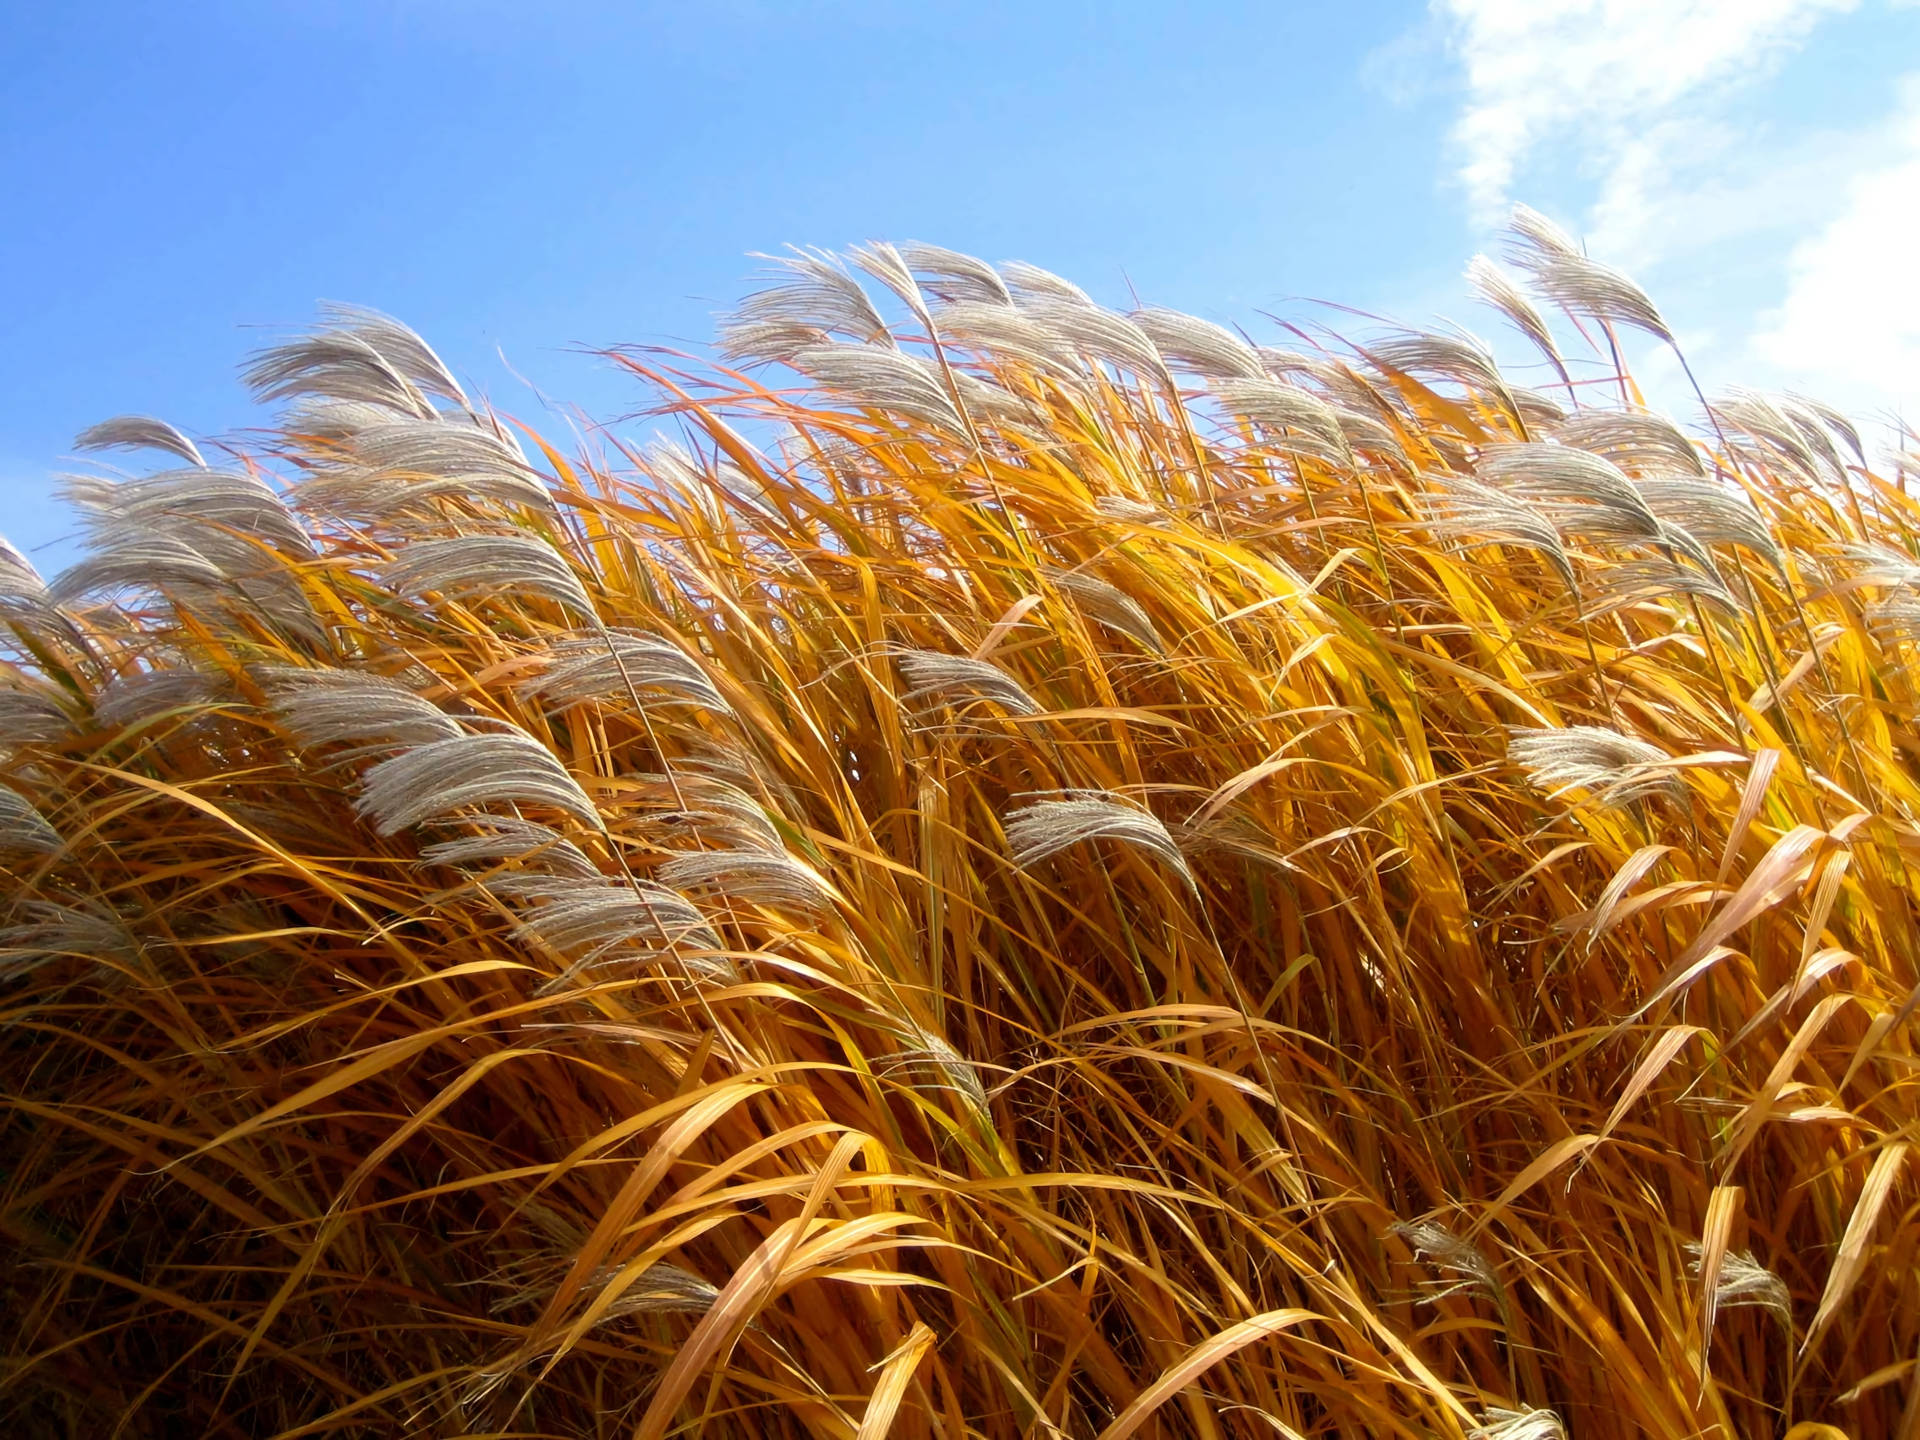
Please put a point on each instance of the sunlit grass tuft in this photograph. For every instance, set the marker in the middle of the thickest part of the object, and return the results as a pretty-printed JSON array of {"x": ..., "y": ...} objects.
[{"x": 1040, "y": 873}]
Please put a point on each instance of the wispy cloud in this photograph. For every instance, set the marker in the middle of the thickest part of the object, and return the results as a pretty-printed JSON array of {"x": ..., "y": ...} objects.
[
  {"x": 1783, "y": 234},
  {"x": 1850, "y": 321},
  {"x": 1607, "y": 87}
]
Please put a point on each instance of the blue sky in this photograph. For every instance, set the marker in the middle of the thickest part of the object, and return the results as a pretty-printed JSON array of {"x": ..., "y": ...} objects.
[{"x": 531, "y": 180}]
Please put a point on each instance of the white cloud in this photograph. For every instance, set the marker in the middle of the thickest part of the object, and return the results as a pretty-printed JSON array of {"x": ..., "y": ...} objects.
[
  {"x": 1850, "y": 323},
  {"x": 1782, "y": 241},
  {"x": 1620, "y": 87}
]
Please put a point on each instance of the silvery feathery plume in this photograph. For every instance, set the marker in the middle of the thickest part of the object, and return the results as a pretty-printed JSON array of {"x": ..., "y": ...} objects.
[
  {"x": 1503, "y": 1424},
  {"x": 1632, "y": 439},
  {"x": 985, "y": 400},
  {"x": 438, "y": 779},
  {"x": 932, "y": 675},
  {"x": 1499, "y": 290},
  {"x": 1537, "y": 410},
  {"x": 1334, "y": 378},
  {"x": 1312, "y": 425},
  {"x": 1464, "y": 510},
  {"x": 143, "y": 563},
  {"x": 138, "y": 432},
  {"x": 1001, "y": 333},
  {"x": 675, "y": 473},
  {"x": 1752, "y": 414},
  {"x": 933, "y": 1063},
  {"x": 954, "y": 277},
  {"x": 1584, "y": 286},
  {"x": 1454, "y": 454},
  {"x": 32, "y": 716},
  {"x": 21, "y": 587},
  {"x": 1460, "y": 358},
  {"x": 586, "y": 668},
  {"x": 147, "y": 540},
  {"x": 336, "y": 421},
  {"x": 507, "y": 566},
  {"x": 1365, "y": 432},
  {"x": 1576, "y": 284},
  {"x": 1618, "y": 769},
  {"x": 1029, "y": 283},
  {"x": 1838, "y": 423},
  {"x": 184, "y": 498},
  {"x": 714, "y": 808},
  {"x": 23, "y": 828},
  {"x": 884, "y": 262},
  {"x": 51, "y": 931},
  {"x": 1197, "y": 345},
  {"x": 1631, "y": 582},
  {"x": 1813, "y": 431},
  {"x": 400, "y": 345},
  {"x": 1745, "y": 1281},
  {"x": 741, "y": 487},
  {"x": 809, "y": 291},
  {"x": 596, "y": 922},
  {"x": 1884, "y": 565},
  {"x": 353, "y": 707},
  {"x": 456, "y": 446},
  {"x": 1281, "y": 364},
  {"x": 146, "y": 695},
  {"x": 753, "y": 876},
  {"x": 707, "y": 484},
  {"x": 188, "y": 523},
  {"x": 1534, "y": 233},
  {"x": 661, "y": 1289},
  {"x": 1895, "y": 618},
  {"x": 401, "y": 464},
  {"x": 884, "y": 380},
  {"x": 1046, "y": 827},
  {"x": 1582, "y": 493},
  {"x": 760, "y": 342},
  {"x": 1230, "y": 832},
  {"x": 499, "y": 838},
  {"x": 1431, "y": 1241},
  {"x": 1125, "y": 507},
  {"x": 1098, "y": 334},
  {"x": 336, "y": 362},
  {"x": 1108, "y": 604},
  {"x": 1712, "y": 513}
]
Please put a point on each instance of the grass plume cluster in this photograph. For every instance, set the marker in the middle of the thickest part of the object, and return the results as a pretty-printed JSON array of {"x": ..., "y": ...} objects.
[{"x": 1043, "y": 872}]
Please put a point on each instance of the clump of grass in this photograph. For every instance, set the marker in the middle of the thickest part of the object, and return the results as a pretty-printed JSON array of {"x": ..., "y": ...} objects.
[{"x": 1040, "y": 873}]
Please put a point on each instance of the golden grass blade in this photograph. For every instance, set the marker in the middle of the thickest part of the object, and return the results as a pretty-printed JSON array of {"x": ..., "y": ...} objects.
[
  {"x": 1542, "y": 1165},
  {"x": 1785, "y": 866},
  {"x": 896, "y": 1374},
  {"x": 1851, "y": 1258},
  {"x": 1723, "y": 1209},
  {"x": 1196, "y": 1362},
  {"x": 1752, "y": 797},
  {"x": 1671, "y": 1042}
]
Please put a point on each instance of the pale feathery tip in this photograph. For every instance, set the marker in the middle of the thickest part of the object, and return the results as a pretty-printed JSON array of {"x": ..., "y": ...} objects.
[
  {"x": 592, "y": 667},
  {"x": 443, "y": 777},
  {"x": 138, "y": 432},
  {"x": 1199, "y": 346},
  {"x": 1616, "y": 769},
  {"x": 1046, "y": 827},
  {"x": 934, "y": 676},
  {"x": 466, "y": 567}
]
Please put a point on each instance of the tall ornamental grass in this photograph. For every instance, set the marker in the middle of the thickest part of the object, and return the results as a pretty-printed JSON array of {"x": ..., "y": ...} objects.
[{"x": 1039, "y": 872}]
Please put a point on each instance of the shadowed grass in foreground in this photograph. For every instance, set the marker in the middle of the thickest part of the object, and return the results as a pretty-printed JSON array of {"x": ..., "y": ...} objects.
[{"x": 1047, "y": 873}]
